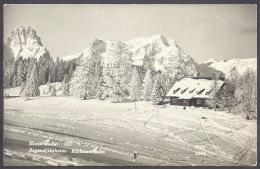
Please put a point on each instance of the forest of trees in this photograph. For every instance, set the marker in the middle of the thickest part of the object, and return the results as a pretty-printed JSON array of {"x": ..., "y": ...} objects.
[
  {"x": 239, "y": 94},
  {"x": 30, "y": 73},
  {"x": 120, "y": 81}
]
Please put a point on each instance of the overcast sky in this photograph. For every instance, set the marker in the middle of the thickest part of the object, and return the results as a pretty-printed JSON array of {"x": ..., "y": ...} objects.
[{"x": 203, "y": 31}]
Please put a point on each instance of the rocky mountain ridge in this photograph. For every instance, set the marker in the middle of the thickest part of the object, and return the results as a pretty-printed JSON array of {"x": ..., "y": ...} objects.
[{"x": 25, "y": 43}]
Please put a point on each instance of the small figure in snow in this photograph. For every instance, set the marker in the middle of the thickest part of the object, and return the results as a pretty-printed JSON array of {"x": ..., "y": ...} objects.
[{"x": 135, "y": 156}]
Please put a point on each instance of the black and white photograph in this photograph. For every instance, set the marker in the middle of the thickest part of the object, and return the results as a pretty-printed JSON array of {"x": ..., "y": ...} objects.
[{"x": 129, "y": 85}]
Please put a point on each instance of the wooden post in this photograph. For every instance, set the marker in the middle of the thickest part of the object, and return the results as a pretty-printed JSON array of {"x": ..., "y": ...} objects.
[{"x": 135, "y": 101}]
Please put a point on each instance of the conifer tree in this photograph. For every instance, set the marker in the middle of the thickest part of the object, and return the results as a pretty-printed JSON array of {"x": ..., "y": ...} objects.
[
  {"x": 246, "y": 93},
  {"x": 14, "y": 81},
  {"x": 13, "y": 71},
  {"x": 23, "y": 86},
  {"x": 135, "y": 86},
  {"x": 85, "y": 79},
  {"x": 8, "y": 75},
  {"x": 228, "y": 96},
  {"x": 117, "y": 75},
  {"x": 42, "y": 75},
  {"x": 32, "y": 85},
  {"x": 71, "y": 69},
  {"x": 147, "y": 86},
  {"x": 48, "y": 87},
  {"x": 100, "y": 88},
  {"x": 76, "y": 88},
  {"x": 20, "y": 72},
  {"x": 65, "y": 90},
  {"x": 117, "y": 92},
  {"x": 157, "y": 94},
  {"x": 165, "y": 83}
]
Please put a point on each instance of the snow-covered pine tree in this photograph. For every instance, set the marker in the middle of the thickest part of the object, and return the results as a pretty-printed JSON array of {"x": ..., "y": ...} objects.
[
  {"x": 13, "y": 72},
  {"x": 115, "y": 76},
  {"x": 42, "y": 75},
  {"x": 22, "y": 78},
  {"x": 7, "y": 75},
  {"x": 84, "y": 80},
  {"x": 108, "y": 80},
  {"x": 228, "y": 96},
  {"x": 165, "y": 83},
  {"x": 53, "y": 90},
  {"x": 48, "y": 87},
  {"x": 32, "y": 85},
  {"x": 23, "y": 86},
  {"x": 234, "y": 77},
  {"x": 14, "y": 81},
  {"x": 157, "y": 94},
  {"x": 120, "y": 72},
  {"x": 65, "y": 90},
  {"x": 59, "y": 70},
  {"x": 70, "y": 69},
  {"x": 117, "y": 92},
  {"x": 100, "y": 89},
  {"x": 125, "y": 72},
  {"x": 75, "y": 83},
  {"x": 135, "y": 86},
  {"x": 20, "y": 72},
  {"x": 246, "y": 93},
  {"x": 214, "y": 92},
  {"x": 147, "y": 86}
]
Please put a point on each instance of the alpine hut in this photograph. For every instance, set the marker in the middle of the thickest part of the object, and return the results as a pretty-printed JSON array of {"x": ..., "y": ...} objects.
[{"x": 194, "y": 91}]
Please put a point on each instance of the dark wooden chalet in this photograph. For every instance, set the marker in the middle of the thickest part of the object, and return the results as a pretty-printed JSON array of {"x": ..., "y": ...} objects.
[{"x": 192, "y": 91}]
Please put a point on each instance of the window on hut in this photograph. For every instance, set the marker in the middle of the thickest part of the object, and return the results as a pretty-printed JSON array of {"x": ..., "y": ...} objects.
[
  {"x": 191, "y": 91},
  {"x": 174, "y": 100},
  {"x": 198, "y": 101},
  {"x": 183, "y": 91},
  {"x": 208, "y": 92},
  {"x": 175, "y": 91},
  {"x": 199, "y": 92}
]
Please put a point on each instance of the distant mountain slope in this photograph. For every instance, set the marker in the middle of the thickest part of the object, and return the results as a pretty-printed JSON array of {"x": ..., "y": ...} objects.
[
  {"x": 240, "y": 64},
  {"x": 205, "y": 71},
  {"x": 24, "y": 42}
]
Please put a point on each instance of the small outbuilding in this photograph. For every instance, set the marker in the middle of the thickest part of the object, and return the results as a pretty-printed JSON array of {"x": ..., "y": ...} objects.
[{"x": 194, "y": 91}]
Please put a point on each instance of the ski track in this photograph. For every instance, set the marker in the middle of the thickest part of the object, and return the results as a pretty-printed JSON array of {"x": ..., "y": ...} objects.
[{"x": 136, "y": 129}]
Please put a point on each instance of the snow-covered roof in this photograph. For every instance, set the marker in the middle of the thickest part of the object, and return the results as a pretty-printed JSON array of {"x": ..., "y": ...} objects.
[{"x": 188, "y": 88}]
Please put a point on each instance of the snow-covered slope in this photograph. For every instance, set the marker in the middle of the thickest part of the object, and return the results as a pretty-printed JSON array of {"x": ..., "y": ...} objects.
[
  {"x": 155, "y": 52},
  {"x": 71, "y": 57},
  {"x": 240, "y": 64},
  {"x": 24, "y": 42}
]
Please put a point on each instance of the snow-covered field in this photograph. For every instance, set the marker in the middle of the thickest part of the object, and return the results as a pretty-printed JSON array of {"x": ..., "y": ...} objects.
[{"x": 162, "y": 135}]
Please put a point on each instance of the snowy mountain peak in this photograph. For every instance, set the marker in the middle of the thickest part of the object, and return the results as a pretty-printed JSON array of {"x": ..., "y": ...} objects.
[
  {"x": 212, "y": 60},
  {"x": 24, "y": 42},
  {"x": 158, "y": 36},
  {"x": 71, "y": 57},
  {"x": 241, "y": 65},
  {"x": 155, "y": 52}
]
